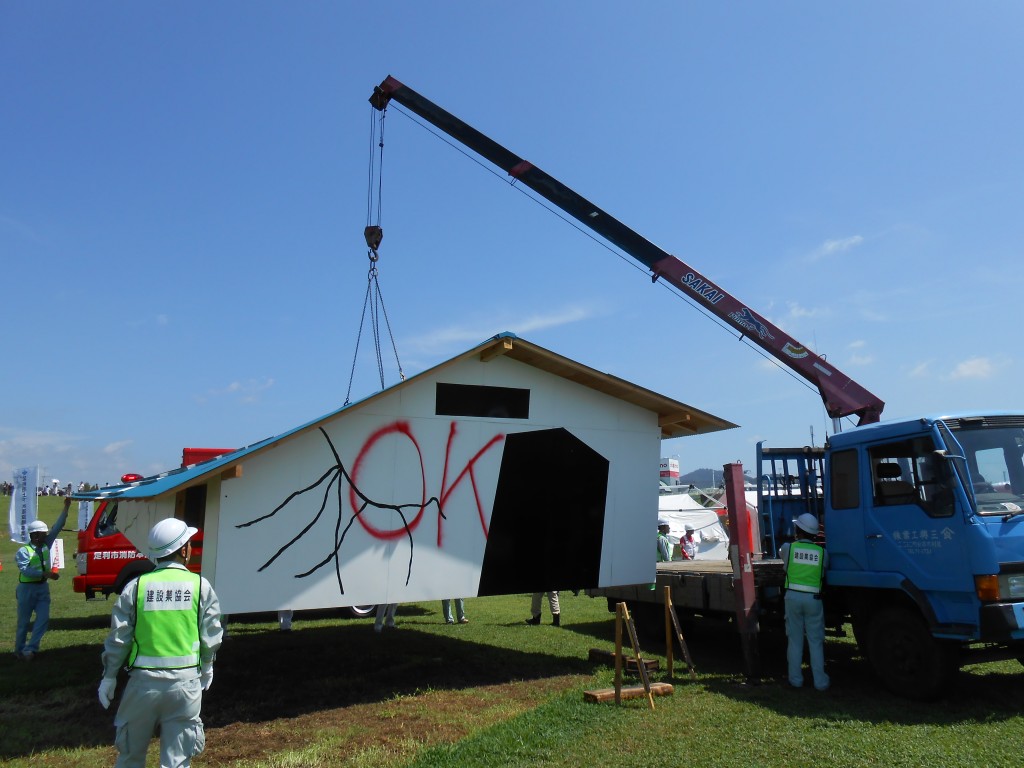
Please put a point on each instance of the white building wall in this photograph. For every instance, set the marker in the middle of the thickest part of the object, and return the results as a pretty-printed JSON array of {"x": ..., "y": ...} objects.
[{"x": 399, "y": 453}]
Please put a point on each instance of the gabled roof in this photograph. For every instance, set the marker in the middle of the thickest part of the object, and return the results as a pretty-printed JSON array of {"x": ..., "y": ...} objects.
[{"x": 676, "y": 419}]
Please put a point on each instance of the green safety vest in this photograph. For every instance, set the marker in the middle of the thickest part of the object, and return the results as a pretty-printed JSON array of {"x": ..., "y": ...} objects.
[
  {"x": 805, "y": 567},
  {"x": 40, "y": 560},
  {"x": 166, "y": 620},
  {"x": 661, "y": 558}
]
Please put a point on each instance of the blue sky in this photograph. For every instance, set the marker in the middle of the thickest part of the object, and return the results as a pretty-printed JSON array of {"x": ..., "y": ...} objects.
[{"x": 183, "y": 189}]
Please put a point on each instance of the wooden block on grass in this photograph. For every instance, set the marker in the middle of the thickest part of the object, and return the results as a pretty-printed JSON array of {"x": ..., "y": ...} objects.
[
  {"x": 630, "y": 692},
  {"x": 608, "y": 657}
]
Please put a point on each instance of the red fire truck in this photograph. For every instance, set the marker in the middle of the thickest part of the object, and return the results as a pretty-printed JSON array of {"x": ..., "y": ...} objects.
[{"x": 106, "y": 560}]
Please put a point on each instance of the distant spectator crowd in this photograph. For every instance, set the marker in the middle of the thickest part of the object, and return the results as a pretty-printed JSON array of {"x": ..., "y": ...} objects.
[
  {"x": 47, "y": 490},
  {"x": 7, "y": 489}
]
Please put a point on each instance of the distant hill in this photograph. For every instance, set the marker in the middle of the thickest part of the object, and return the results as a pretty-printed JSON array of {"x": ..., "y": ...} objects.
[{"x": 708, "y": 478}]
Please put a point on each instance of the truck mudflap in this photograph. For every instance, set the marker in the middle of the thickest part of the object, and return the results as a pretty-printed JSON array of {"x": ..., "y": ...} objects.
[{"x": 1002, "y": 622}]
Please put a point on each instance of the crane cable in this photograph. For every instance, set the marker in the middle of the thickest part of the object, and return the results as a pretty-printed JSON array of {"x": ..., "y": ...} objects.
[{"x": 373, "y": 233}]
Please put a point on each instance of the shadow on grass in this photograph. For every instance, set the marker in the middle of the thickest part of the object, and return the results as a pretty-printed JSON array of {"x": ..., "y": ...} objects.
[
  {"x": 264, "y": 675},
  {"x": 978, "y": 694},
  {"x": 325, "y": 668},
  {"x": 71, "y": 623}
]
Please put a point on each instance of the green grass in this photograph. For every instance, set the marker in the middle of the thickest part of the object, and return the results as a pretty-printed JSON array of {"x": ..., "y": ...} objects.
[{"x": 494, "y": 691}]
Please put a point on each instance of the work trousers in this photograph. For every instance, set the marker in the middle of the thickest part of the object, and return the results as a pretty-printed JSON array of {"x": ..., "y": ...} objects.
[
  {"x": 460, "y": 609},
  {"x": 174, "y": 705},
  {"x": 552, "y": 603},
  {"x": 805, "y": 617},
  {"x": 32, "y": 598},
  {"x": 385, "y": 616}
]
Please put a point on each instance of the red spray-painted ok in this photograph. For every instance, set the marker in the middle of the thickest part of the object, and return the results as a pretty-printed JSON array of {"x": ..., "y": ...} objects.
[{"x": 403, "y": 428}]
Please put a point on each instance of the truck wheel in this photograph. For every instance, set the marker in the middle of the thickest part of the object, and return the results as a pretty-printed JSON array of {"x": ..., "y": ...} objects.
[
  {"x": 907, "y": 659},
  {"x": 860, "y": 634},
  {"x": 361, "y": 611},
  {"x": 129, "y": 572}
]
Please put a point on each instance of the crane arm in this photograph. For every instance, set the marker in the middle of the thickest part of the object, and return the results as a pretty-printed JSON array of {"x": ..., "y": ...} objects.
[{"x": 841, "y": 395}]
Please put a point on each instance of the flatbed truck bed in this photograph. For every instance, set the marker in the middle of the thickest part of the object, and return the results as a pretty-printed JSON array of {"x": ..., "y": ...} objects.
[{"x": 698, "y": 586}]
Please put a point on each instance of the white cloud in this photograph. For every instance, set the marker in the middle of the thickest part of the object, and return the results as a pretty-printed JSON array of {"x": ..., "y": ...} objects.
[
  {"x": 974, "y": 368},
  {"x": 20, "y": 229},
  {"x": 920, "y": 370},
  {"x": 247, "y": 391},
  {"x": 160, "y": 320},
  {"x": 26, "y": 448},
  {"x": 874, "y": 315},
  {"x": 114, "y": 448},
  {"x": 833, "y": 247},
  {"x": 476, "y": 332},
  {"x": 797, "y": 311},
  {"x": 858, "y": 357}
]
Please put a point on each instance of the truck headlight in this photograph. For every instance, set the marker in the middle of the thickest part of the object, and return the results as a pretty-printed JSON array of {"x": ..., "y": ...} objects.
[
  {"x": 1012, "y": 586},
  {"x": 992, "y": 588}
]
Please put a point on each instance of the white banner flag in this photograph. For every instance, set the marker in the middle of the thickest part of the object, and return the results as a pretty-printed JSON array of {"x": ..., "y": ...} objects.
[
  {"x": 84, "y": 514},
  {"x": 23, "y": 503}
]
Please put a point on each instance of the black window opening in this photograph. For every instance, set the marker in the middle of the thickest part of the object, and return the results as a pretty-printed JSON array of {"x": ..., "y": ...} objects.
[{"x": 476, "y": 400}]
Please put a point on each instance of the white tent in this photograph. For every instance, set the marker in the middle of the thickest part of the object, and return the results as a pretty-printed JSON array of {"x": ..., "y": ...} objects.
[{"x": 680, "y": 510}]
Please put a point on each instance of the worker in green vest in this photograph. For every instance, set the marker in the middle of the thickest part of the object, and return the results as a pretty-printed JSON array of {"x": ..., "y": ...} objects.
[
  {"x": 664, "y": 543},
  {"x": 664, "y": 550},
  {"x": 165, "y": 628},
  {"x": 805, "y": 563},
  {"x": 35, "y": 572}
]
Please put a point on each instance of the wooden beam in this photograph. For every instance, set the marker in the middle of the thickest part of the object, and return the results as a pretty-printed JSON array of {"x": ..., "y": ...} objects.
[
  {"x": 501, "y": 348},
  {"x": 232, "y": 473},
  {"x": 678, "y": 419},
  {"x": 630, "y": 692}
]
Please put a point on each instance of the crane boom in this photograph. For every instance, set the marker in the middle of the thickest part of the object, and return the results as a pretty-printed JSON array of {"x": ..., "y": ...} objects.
[{"x": 841, "y": 395}]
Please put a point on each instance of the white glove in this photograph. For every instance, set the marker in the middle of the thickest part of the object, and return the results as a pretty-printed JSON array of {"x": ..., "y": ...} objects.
[
  {"x": 106, "y": 690},
  {"x": 206, "y": 676}
]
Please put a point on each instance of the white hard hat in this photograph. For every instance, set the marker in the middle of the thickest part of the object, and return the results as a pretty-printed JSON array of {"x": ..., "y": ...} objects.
[
  {"x": 808, "y": 523},
  {"x": 38, "y": 526},
  {"x": 663, "y": 522},
  {"x": 169, "y": 535},
  {"x": 689, "y": 529}
]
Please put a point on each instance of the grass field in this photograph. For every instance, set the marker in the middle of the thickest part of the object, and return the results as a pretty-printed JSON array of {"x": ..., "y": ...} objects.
[{"x": 492, "y": 692}]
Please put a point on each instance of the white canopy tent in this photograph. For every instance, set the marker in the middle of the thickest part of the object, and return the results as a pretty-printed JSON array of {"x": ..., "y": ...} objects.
[{"x": 680, "y": 510}]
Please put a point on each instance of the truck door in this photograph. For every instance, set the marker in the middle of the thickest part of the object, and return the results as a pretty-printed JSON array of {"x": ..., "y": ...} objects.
[
  {"x": 909, "y": 523},
  {"x": 844, "y": 528}
]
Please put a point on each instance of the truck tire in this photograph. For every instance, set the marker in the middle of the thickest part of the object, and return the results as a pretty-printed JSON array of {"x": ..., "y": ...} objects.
[
  {"x": 860, "y": 634},
  {"x": 361, "y": 611},
  {"x": 909, "y": 662},
  {"x": 129, "y": 572}
]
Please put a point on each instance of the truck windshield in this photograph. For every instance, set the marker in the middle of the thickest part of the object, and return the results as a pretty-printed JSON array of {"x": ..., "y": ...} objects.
[
  {"x": 993, "y": 450},
  {"x": 106, "y": 524}
]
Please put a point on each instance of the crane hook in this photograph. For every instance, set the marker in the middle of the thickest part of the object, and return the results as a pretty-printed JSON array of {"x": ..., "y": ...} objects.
[{"x": 373, "y": 236}]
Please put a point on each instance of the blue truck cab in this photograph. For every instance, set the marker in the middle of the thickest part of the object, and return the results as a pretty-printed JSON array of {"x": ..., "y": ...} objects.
[{"x": 923, "y": 520}]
